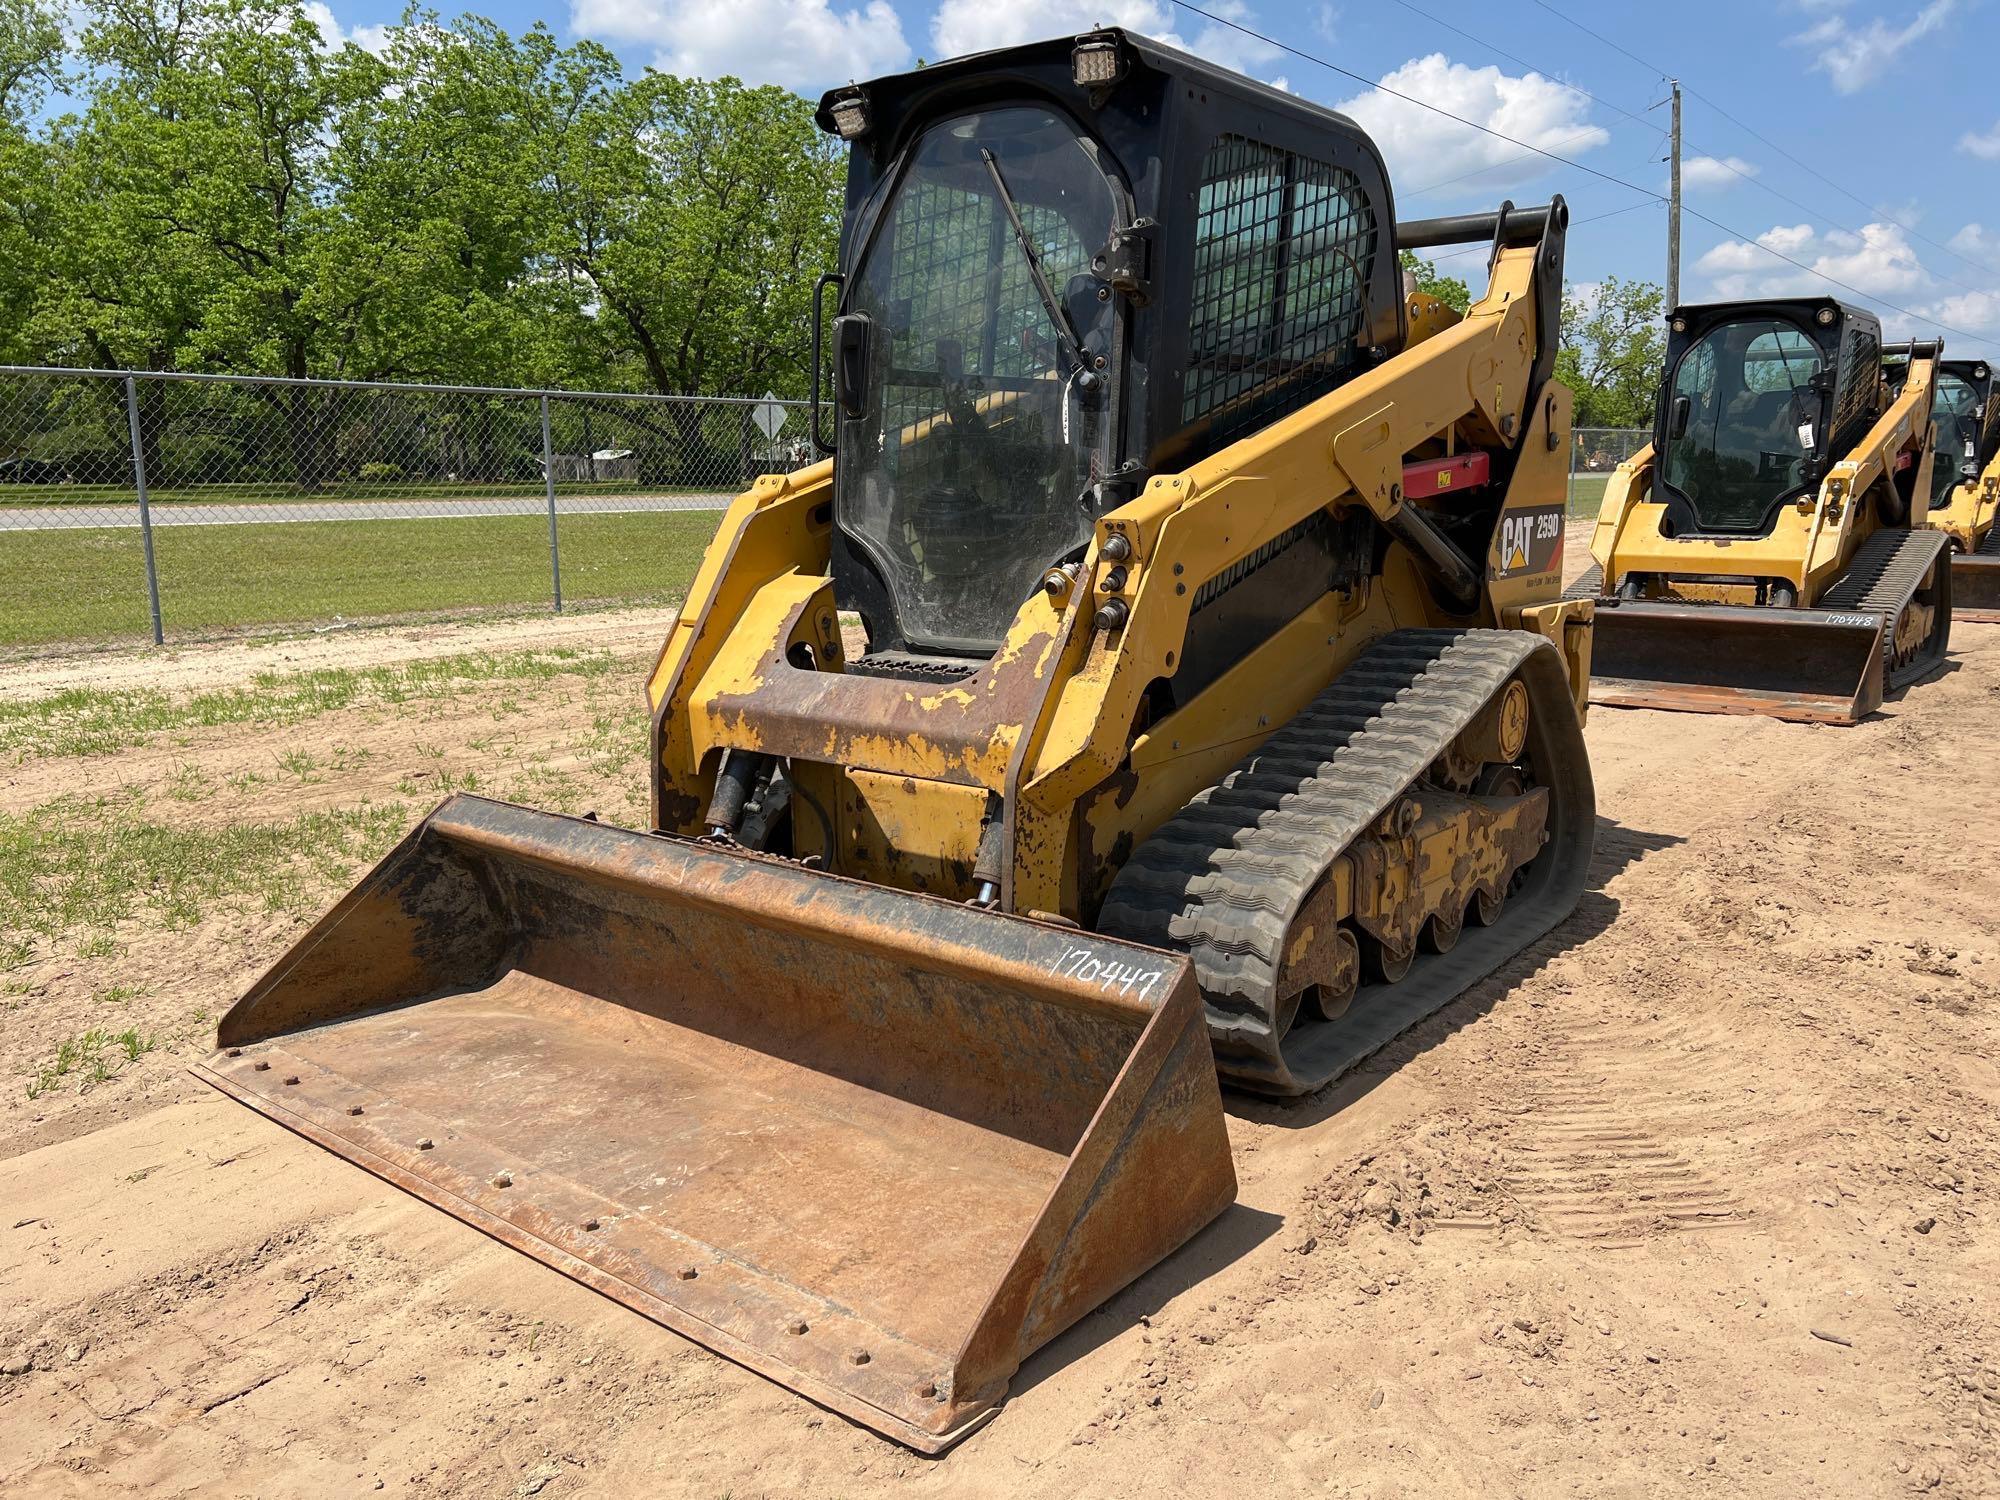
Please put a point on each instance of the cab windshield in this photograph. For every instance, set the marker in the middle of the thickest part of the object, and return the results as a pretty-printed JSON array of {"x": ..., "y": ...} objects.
[
  {"x": 1742, "y": 422},
  {"x": 1955, "y": 410},
  {"x": 987, "y": 412}
]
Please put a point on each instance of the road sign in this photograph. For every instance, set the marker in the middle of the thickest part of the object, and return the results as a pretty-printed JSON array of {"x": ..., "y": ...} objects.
[{"x": 768, "y": 414}]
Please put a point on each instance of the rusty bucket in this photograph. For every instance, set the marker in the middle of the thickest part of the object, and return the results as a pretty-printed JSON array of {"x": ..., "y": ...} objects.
[
  {"x": 1813, "y": 665},
  {"x": 877, "y": 1146}
]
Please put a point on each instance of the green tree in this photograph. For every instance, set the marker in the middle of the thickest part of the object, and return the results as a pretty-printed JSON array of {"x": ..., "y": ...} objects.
[
  {"x": 695, "y": 215},
  {"x": 233, "y": 193},
  {"x": 31, "y": 60},
  {"x": 1449, "y": 290},
  {"x": 1612, "y": 343}
]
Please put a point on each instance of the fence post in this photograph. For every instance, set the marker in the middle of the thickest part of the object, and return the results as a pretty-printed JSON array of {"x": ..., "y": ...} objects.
[
  {"x": 549, "y": 473},
  {"x": 145, "y": 507}
]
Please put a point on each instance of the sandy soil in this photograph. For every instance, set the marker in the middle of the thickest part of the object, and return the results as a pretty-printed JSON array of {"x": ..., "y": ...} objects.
[
  {"x": 1699, "y": 1195},
  {"x": 196, "y": 666}
]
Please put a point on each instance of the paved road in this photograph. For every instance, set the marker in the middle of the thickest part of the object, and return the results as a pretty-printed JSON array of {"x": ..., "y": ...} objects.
[{"x": 90, "y": 517}]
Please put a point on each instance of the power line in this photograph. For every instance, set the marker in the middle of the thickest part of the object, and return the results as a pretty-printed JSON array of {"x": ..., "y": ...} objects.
[
  {"x": 1604, "y": 39},
  {"x": 1712, "y": 157},
  {"x": 1849, "y": 192},
  {"x": 1492, "y": 166},
  {"x": 1759, "y": 136},
  {"x": 1383, "y": 88},
  {"x": 1524, "y": 63},
  {"x": 1654, "y": 197}
]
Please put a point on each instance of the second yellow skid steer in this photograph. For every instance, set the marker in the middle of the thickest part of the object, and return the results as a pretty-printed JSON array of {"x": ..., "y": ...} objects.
[
  {"x": 1965, "y": 484},
  {"x": 1218, "y": 710},
  {"x": 1766, "y": 552}
]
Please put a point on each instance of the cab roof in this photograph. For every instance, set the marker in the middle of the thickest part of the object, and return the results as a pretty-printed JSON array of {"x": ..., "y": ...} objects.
[{"x": 895, "y": 94}]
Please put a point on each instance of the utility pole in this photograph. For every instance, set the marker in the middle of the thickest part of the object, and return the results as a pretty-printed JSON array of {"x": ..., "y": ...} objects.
[{"x": 1674, "y": 207}]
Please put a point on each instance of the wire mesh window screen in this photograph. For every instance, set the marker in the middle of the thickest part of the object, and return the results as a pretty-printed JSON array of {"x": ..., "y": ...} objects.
[
  {"x": 957, "y": 275},
  {"x": 1283, "y": 247},
  {"x": 1860, "y": 383}
]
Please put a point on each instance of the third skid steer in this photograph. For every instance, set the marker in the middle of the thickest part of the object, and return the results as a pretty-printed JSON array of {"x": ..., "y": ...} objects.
[
  {"x": 1759, "y": 555},
  {"x": 1218, "y": 709},
  {"x": 1965, "y": 484}
]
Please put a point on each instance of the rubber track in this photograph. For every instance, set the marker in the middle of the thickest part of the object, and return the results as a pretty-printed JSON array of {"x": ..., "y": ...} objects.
[
  {"x": 1883, "y": 578},
  {"x": 1222, "y": 880},
  {"x": 1989, "y": 545},
  {"x": 1589, "y": 583}
]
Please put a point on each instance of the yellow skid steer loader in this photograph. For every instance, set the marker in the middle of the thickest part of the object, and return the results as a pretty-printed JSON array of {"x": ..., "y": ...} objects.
[
  {"x": 1758, "y": 556},
  {"x": 1965, "y": 484},
  {"x": 1218, "y": 710}
]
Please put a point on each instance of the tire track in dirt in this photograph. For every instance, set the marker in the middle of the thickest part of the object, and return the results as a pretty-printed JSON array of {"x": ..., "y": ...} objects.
[{"x": 1598, "y": 1139}]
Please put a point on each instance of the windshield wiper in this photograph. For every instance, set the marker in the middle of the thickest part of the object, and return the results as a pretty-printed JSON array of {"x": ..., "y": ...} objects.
[{"x": 1085, "y": 377}]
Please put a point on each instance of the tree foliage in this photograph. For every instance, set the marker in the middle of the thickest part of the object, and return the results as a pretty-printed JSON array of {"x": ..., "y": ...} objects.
[
  {"x": 1613, "y": 341},
  {"x": 225, "y": 188},
  {"x": 230, "y": 191},
  {"x": 1449, "y": 290}
]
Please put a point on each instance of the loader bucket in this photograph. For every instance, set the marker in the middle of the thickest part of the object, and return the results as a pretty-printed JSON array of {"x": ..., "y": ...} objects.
[
  {"x": 1975, "y": 587},
  {"x": 1811, "y": 665},
  {"x": 876, "y": 1146}
]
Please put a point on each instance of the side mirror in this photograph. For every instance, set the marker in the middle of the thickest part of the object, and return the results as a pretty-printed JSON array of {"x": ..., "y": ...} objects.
[
  {"x": 1677, "y": 424},
  {"x": 850, "y": 362}
]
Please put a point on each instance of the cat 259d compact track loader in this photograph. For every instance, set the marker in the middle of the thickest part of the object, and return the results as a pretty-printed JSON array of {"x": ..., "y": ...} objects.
[
  {"x": 1965, "y": 484},
  {"x": 1758, "y": 556},
  {"x": 1217, "y": 686}
]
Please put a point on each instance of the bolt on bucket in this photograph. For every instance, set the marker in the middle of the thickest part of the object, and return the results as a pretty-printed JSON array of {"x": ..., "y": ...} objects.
[
  {"x": 1811, "y": 665},
  {"x": 877, "y": 1146}
]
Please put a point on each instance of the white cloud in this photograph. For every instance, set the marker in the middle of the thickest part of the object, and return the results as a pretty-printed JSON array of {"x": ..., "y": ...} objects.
[
  {"x": 962, "y": 26},
  {"x": 1975, "y": 312},
  {"x": 333, "y": 36},
  {"x": 1424, "y": 147},
  {"x": 799, "y": 43},
  {"x": 1984, "y": 144},
  {"x": 1878, "y": 263},
  {"x": 1977, "y": 242},
  {"x": 1715, "y": 171},
  {"x": 1855, "y": 56}
]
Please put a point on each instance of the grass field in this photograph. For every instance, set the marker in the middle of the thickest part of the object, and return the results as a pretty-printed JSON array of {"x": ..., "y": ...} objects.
[
  {"x": 1586, "y": 493},
  {"x": 91, "y": 585},
  {"x": 382, "y": 491}
]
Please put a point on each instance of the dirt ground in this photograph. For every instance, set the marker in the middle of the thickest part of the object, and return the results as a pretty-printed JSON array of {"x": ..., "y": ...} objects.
[{"x": 1700, "y": 1194}]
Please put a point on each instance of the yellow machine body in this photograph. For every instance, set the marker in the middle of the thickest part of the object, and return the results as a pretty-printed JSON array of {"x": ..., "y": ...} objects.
[
  {"x": 892, "y": 1047},
  {"x": 1779, "y": 620},
  {"x": 1965, "y": 495}
]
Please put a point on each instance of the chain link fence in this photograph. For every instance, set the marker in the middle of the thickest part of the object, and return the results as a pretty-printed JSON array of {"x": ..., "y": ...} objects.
[
  {"x": 170, "y": 507},
  {"x": 138, "y": 506},
  {"x": 1593, "y": 453}
]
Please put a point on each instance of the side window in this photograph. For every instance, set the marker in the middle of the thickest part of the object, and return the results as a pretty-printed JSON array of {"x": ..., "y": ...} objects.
[{"x": 1283, "y": 248}]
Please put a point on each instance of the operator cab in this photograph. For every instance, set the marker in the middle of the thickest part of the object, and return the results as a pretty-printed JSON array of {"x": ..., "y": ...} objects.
[
  {"x": 1066, "y": 267},
  {"x": 1965, "y": 406},
  {"x": 1758, "y": 397}
]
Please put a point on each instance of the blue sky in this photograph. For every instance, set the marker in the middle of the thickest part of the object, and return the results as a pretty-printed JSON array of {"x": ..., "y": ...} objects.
[{"x": 1892, "y": 101}]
